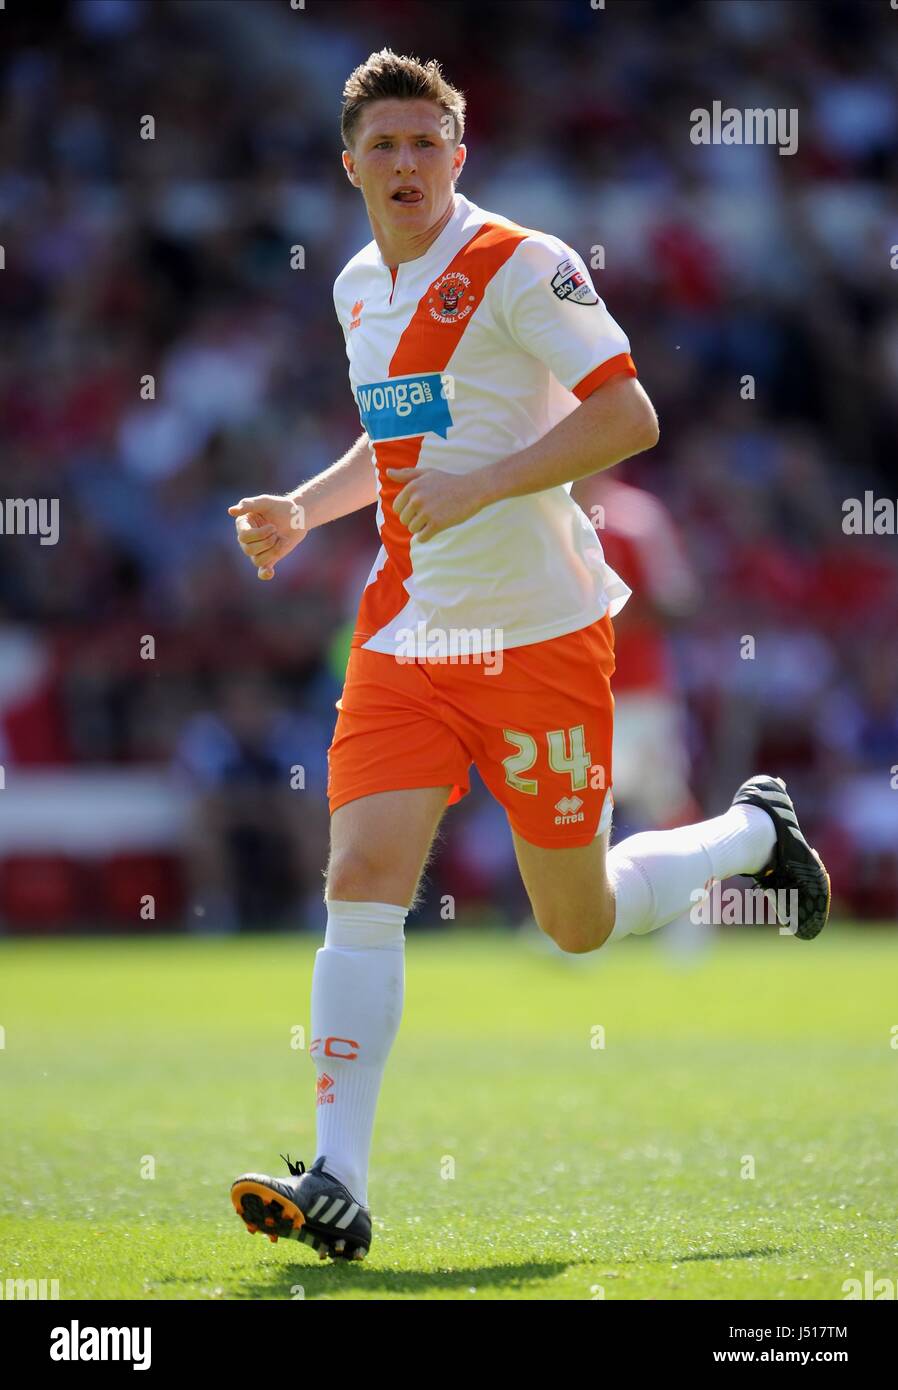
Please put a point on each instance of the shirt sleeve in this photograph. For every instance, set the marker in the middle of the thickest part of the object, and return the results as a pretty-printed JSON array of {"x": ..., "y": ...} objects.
[{"x": 552, "y": 311}]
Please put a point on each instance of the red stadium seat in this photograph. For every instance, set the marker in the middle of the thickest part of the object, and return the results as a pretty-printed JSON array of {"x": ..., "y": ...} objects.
[
  {"x": 128, "y": 879},
  {"x": 39, "y": 892}
]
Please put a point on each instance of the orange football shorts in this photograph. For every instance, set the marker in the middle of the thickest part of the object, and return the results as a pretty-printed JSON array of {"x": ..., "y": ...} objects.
[{"x": 537, "y": 726}]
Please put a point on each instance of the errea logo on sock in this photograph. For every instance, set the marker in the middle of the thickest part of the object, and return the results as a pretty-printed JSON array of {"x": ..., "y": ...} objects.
[
  {"x": 77, "y": 1343},
  {"x": 324, "y": 1089}
]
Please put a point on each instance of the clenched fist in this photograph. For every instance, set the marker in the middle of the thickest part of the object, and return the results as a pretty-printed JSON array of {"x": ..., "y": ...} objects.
[
  {"x": 432, "y": 500},
  {"x": 268, "y": 528}
]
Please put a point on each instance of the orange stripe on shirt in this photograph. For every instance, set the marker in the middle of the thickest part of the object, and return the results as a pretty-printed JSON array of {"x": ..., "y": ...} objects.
[
  {"x": 623, "y": 362},
  {"x": 426, "y": 345}
]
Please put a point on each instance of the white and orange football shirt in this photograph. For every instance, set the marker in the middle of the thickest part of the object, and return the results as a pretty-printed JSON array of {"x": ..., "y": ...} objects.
[{"x": 458, "y": 358}]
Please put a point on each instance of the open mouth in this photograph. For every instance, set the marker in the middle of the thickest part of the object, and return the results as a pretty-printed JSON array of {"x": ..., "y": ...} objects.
[{"x": 409, "y": 196}]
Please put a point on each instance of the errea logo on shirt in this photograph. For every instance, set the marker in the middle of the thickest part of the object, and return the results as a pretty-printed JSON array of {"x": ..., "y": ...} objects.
[{"x": 404, "y": 407}]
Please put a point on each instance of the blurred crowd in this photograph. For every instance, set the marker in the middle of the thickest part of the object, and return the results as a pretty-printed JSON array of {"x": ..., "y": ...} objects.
[{"x": 169, "y": 346}]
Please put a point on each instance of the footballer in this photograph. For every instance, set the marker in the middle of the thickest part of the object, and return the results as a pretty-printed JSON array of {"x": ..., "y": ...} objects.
[{"x": 489, "y": 377}]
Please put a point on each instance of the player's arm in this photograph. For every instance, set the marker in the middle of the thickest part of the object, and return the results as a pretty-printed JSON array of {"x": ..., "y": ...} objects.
[
  {"x": 347, "y": 485},
  {"x": 616, "y": 421},
  {"x": 269, "y": 527}
]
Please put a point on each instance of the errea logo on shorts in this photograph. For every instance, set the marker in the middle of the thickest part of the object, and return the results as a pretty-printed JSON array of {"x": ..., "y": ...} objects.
[
  {"x": 404, "y": 407},
  {"x": 569, "y": 812}
]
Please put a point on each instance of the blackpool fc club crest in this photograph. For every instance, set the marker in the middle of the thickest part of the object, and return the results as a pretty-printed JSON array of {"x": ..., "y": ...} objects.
[{"x": 450, "y": 299}]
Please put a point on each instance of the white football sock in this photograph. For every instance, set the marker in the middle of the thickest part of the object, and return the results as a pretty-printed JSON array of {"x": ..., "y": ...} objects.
[
  {"x": 358, "y": 987},
  {"x": 653, "y": 875}
]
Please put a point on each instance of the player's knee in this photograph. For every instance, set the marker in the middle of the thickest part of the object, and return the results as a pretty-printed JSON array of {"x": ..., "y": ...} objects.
[
  {"x": 354, "y": 875},
  {"x": 575, "y": 943},
  {"x": 578, "y": 931}
]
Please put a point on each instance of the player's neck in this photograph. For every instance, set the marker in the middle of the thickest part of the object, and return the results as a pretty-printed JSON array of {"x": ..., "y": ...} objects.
[{"x": 395, "y": 250}]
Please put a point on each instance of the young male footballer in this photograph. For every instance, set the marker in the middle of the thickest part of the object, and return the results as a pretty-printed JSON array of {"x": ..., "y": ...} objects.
[{"x": 489, "y": 376}]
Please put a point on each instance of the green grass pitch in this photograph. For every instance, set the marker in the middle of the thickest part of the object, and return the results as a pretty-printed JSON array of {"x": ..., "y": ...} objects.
[{"x": 513, "y": 1157}]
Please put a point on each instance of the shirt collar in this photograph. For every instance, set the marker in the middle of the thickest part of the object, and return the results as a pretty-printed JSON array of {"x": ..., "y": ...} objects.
[{"x": 460, "y": 212}]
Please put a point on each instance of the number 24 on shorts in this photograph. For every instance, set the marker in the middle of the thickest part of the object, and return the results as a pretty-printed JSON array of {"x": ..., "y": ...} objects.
[{"x": 567, "y": 753}]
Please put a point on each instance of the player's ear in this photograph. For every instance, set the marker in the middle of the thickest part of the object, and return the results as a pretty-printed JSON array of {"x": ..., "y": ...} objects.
[
  {"x": 349, "y": 166},
  {"x": 458, "y": 162}
]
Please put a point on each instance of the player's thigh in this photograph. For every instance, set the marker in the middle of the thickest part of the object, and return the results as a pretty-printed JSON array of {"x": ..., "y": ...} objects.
[
  {"x": 569, "y": 891},
  {"x": 379, "y": 844},
  {"x": 542, "y": 740}
]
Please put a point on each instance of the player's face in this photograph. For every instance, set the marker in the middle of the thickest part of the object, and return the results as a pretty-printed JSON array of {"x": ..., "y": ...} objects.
[{"x": 403, "y": 164}]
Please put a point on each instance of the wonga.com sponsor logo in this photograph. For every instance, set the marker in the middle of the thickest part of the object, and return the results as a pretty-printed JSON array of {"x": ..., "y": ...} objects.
[{"x": 404, "y": 407}]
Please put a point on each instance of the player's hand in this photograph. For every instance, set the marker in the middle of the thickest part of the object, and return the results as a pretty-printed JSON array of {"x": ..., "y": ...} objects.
[
  {"x": 268, "y": 528},
  {"x": 431, "y": 501}
]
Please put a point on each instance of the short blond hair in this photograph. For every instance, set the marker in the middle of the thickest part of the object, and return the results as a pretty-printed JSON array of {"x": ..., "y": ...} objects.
[{"x": 388, "y": 74}]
